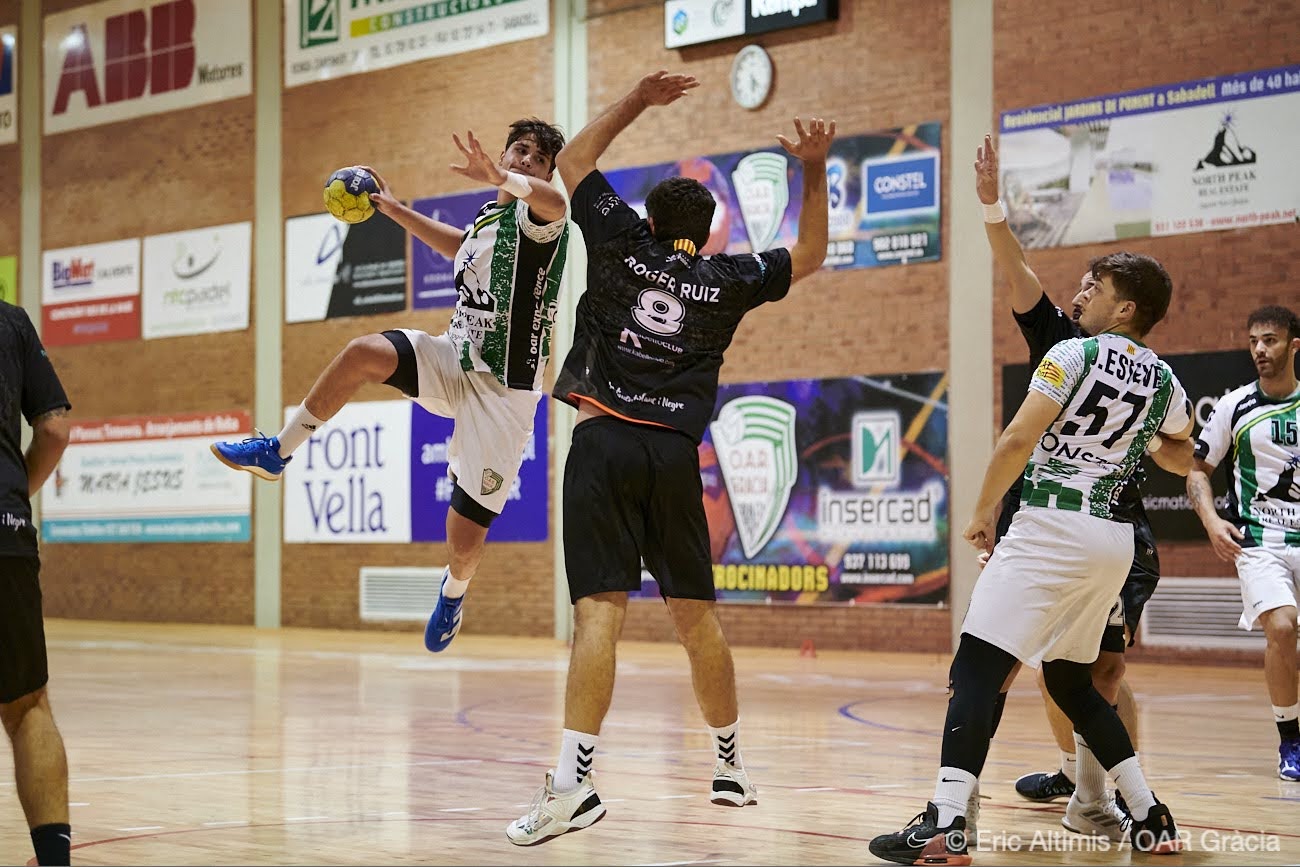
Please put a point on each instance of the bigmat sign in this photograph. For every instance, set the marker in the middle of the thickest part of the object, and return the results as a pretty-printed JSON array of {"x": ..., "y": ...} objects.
[{"x": 126, "y": 58}]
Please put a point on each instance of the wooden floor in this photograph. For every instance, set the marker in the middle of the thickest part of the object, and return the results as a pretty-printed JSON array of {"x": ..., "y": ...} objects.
[{"x": 197, "y": 745}]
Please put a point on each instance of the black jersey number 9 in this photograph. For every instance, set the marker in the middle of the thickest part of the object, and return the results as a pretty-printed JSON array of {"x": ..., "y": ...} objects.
[{"x": 658, "y": 312}]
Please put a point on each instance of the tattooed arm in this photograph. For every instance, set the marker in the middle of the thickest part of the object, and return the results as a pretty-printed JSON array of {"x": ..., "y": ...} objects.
[
  {"x": 50, "y": 432},
  {"x": 1223, "y": 535}
]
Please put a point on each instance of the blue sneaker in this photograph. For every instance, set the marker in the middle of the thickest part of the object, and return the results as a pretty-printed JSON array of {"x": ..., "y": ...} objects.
[
  {"x": 445, "y": 621},
  {"x": 1288, "y": 760},
  {"x": 260, "y": 455}
]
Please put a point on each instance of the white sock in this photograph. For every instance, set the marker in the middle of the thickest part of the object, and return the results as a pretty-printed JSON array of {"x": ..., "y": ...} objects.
[
  {"x": 952, "y": 792},
  {"x": 301, "y": 426},
  {"x": 576, "y": 754},
  {"x": 454, "y": 588},
  {"x": 726, "y": 743},
  {"x": 1090, "y": 785},
  {"x": 1069, "y": 766},
  {"x": 1132, "y": 784},
  {"x": 1282, "y": 714}
]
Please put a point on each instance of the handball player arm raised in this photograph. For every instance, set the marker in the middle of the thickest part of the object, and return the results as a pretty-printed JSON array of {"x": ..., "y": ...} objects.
[{"x": 441, "y": 237}]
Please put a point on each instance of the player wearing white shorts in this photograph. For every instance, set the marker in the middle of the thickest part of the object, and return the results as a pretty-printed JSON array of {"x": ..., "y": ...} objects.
[
  {"x": 1093, "y": 407},
  {"x": 486, "y": 371},
  {"x": 1254, "y": 430}
]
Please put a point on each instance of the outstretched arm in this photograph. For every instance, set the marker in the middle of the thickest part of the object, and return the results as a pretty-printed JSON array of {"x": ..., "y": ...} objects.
[
  {"x": 811, "y": 148},
  {"x": 1007, "y": 252},
  {"x": 442, "y": 237},
  {"x": 578, "y": 158}
]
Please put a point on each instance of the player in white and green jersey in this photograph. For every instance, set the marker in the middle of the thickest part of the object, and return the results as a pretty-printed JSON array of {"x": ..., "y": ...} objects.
[
  {"x": 1094, "y": 405},
  {"x": 1255, "y": 433},
  {"x": 486, "y": 372}
]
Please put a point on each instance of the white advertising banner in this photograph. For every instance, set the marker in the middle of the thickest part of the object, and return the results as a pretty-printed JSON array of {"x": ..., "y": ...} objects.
[
  {"x": 313, "y": 249},
  {"x": 8, "y": 85},
  {"x": 120, "y": 59},
  {"x": 91, "y": 294},
  {"x": 1196, "y": 156},
  {"x": 197, "y": 282},
  {"x": 326, "y": 39},
  {"x": 148, "y": 479},
  {"x": 350, "y": 482}
]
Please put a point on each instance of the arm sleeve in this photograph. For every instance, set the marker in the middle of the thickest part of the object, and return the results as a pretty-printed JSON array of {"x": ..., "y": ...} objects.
[
  {"x": 1043, "y": 326},
  {"x": 1216, "y": 436},
  {"x": 1180, "y": 408},
  {"x": 766, "y": 275},
  {"x": 599, "y": 211},
  {"x": 42, "y": 390},
  {"x": 1060, "y": 372},
  {"x": 542, "y": 233}
]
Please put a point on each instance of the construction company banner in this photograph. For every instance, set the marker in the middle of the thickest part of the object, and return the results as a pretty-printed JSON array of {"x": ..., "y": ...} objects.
[
  {"x": 332, "y": 268},
  {"x": 8, "y": 85},
  {"x": 1217, "y": 153},
  {"x": 1207, "y": 376},
  {"x": 691, "y": 22},
  {"x": 121, "y": 59},
  {"x": 883, "y": 197},
  {"x": 9, "y": 279},
  {"x": 148, "y": 479},
  {"x": 197, "y": 282},
  {"x": 91, "y": 294},
  {"x": 832, "y": 490},
  {"x": 433, "y": 279},
  {"x": 377, "y": 472},
  {"x": 326, "y": 39}
]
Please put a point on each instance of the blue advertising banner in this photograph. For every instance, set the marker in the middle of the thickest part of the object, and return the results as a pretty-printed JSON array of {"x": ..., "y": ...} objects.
[
  {"x": 828, "y": 491},
  {"x": 883, "y": 197},
  {"x": 433, "y": 283},
  {"x": 1194, "y": 156}
]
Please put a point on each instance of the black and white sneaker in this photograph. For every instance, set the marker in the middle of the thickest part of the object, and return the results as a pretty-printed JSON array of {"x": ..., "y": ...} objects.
[
  {"x": 553, "y": 813},
  {"x": 731, "y": 786},
  {"x": 924, "y": 842},
  {"x": 1044, "y": 787}
]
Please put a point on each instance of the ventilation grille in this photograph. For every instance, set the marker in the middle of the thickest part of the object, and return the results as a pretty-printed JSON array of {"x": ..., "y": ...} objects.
[
  {"x": 401, "y": 593},
  {"x": 1197, "y": 612}
]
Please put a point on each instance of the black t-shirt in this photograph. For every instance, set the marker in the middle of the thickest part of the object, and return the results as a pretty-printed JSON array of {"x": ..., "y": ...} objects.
[
  {"x": 28, "y": 385},
  {"x": 655, "y": 320},
  {"x": 1044, "y": 326}
]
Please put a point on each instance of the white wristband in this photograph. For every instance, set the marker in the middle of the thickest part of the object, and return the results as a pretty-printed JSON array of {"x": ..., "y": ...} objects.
[
  {"x": 517, "y": 185},
  {"x": 1155, "y": 444},
  {"x": 994, "y": 213}
]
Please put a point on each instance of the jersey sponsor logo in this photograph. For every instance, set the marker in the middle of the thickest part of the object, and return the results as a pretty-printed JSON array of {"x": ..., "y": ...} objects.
[
  {"x": 754, "y": 438},
  {"x": 1051, "y": 373},
  {"x": 763, "y": 192},
  {"x": 492, "y": 482}
]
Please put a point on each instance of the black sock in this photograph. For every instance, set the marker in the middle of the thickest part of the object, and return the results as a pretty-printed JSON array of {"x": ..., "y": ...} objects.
[
  {"x": 1289, "y": 729},
  {"x": 998, "y": 707},
  {"x": 53, "y": 844}
]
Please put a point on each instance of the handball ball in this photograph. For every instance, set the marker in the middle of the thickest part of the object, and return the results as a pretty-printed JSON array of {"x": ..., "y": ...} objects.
[{"x": 347, "y": 194}]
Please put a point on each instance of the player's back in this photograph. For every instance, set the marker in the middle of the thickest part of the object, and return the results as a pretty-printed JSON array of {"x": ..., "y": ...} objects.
[{"x": 1115, "y": 395}]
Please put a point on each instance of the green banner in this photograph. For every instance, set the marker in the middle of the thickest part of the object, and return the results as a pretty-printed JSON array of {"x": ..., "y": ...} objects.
[{"x": 9, "y": 279}]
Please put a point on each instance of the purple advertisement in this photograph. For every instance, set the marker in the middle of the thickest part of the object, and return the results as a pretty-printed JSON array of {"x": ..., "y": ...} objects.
[
  {"x": 883, "y": 191},
  {"x": 527, "y": 512},
  {"x": 433, "y": 282}
]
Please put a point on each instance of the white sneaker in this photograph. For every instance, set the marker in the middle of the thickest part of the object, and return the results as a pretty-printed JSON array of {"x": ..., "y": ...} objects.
[
  {"x": 1101, "y": 818},
  {"x": 555, "y": 813},
  {"x": 731, "y": 786}
]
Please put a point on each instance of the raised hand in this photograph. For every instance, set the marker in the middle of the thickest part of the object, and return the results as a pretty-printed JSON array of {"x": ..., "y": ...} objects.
[
  {"x": 663, "y": 87},
  {"x": 478, "y": 165},
  {"x": 813, "y": 143},
  {"x": 986, "y": 172},
  {"x": 384, "y": 201}
]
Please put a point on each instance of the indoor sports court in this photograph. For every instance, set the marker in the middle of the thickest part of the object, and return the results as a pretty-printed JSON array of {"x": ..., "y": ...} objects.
[{"x": 385, "y": 634}]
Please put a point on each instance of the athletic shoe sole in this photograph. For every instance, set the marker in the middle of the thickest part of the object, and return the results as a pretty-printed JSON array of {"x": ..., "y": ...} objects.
[
  {"x": 577, "y": 825},
  {"x": 732, "y": 799}
]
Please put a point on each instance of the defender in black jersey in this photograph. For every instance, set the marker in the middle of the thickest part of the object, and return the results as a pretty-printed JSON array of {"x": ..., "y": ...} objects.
[
  {"x": 652, "y": 327},
  {"x": 1043, "y": 325},
  {"x": 485, "y": 372},
  {"x": 30, "y": 389}
]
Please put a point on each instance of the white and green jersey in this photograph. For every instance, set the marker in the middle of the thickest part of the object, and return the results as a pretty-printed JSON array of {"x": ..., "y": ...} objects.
[
  {"x": 1115, "y": 395},
  {"x": 1258, "y": 436},
  {"x": 508, "y": 276}
]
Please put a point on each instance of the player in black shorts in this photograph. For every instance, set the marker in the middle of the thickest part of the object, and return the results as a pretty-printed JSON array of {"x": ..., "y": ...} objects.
[
  {"x": 29, "y": 388},
  {"x": 651, "y": 330},
  {"x": 1043, "y": 325}
]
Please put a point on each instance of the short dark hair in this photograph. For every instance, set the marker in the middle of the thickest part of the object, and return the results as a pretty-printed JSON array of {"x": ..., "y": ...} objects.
[
  {"x": 549, "y": 138},
  {"x": 1139, "y": 279},
  {"x": 681, "y": 208},
  {"x": 1276, "y": 314}
]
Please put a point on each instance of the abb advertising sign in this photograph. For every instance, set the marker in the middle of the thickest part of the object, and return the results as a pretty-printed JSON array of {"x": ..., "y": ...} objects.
[{"x": 125, "y": 58}]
